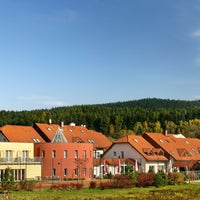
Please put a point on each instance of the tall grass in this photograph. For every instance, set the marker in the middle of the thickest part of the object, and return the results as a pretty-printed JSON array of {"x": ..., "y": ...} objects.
[{"x": 179, "y": 192}]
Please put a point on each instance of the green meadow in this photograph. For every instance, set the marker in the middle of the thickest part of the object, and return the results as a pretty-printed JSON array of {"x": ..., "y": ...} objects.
[{"x": 177, "y": 192}]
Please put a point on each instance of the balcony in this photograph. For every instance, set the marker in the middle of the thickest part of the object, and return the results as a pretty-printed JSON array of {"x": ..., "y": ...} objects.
[{"x": 19, "y": 160}]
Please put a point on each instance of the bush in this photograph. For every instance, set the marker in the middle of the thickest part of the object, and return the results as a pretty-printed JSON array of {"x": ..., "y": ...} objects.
[
  {"x": 27, "y": 185},
  {"x": 93, "y": 185},
  {"x": 175, "y": 178},
  {"x": 161, "y": 179},
  {"x": 105, "y": 185},
  {"x": 122, "y": 181},
  {"x": 79, "y": 186},
  {"x": 7, "y": 179},
  {"x": 145, "y": 179}
]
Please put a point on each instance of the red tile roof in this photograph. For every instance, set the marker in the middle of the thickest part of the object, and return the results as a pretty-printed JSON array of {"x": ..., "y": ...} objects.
[
  {"x": 181, "y": 149},
  {"x": 21, "y": 134},
  {"x": 75, "y": 134},
  {"x": 143, "y": 147}
]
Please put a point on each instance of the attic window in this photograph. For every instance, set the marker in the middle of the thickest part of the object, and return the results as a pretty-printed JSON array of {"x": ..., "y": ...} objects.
[
  {"x": 70, "y": 130},
  {"x": 173, "y": 152},
  {"x": 36, "y": 140},
  {"x": 91, "y": 141},
  {"x": 150, "y": 153},
  {"x": 49, "y": 129},
  {"x": 168, "y": 141},
  {"x": 186, "y": 142},
  {"x": 82, "y": 131},
  {"x": 193, "y": 149},
  {"x": 136, "y": 140},
  {"x": 161, "y": 141}
]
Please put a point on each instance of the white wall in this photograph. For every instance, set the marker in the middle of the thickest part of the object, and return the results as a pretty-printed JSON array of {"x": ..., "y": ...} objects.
[{"x": 130, "y": 152}]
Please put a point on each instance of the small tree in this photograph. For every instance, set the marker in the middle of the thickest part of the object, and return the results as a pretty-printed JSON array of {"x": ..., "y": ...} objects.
[
  {"x": 7, "y": 179},
  {"x": 131, "y": 173},
  {"x": 161, "y": 179}
]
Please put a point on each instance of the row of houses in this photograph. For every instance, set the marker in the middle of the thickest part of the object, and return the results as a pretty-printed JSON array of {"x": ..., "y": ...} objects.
[{"x": 51, "y": 151}]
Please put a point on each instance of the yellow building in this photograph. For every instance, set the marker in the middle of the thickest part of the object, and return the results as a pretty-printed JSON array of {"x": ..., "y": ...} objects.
[{"x": 20, "y": 157}]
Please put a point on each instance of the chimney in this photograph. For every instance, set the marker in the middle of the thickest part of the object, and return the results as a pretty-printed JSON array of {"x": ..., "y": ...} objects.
[
  {"x": 166, "y": 134},
  {"x": 50, "y": 121},
  {"x": 62, "y": 124}
]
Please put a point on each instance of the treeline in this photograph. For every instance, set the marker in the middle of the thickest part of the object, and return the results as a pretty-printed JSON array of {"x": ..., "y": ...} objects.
[{"x": 120, "y": 118}]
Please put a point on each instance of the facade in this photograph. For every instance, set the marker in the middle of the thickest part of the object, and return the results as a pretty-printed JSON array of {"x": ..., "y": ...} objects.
[
  {"x": 182, "y": 153},
  {"x": 20, "y": 157},
  {"x": 113, "y": 166},
  {"x": 65, "y": 160},
  {"x": 66, "y": 151},
  {"x": 75, "y": 134},
  {"x": 142, "y": 152}
]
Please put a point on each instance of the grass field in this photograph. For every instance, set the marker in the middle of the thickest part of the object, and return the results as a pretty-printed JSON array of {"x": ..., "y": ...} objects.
[{"x": 180, "y": 192}]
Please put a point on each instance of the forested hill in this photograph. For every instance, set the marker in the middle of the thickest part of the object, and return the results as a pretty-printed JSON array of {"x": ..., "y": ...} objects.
[
  {"x": 153, "y": 103},
  {"x": 120, "y": 118}
]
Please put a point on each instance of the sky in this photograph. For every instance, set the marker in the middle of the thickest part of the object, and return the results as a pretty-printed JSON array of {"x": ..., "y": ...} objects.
[{"x": 75, "y": 52}]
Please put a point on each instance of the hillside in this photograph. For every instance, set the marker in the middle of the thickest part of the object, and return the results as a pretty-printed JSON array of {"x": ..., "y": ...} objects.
[{"x": 119, "y": 118}]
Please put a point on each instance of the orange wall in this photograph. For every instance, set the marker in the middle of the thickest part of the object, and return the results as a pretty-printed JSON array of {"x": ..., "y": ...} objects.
[{"x": 59, "y": 163}]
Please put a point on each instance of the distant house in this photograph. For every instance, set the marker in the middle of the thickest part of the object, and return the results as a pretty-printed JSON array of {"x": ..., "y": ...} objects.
[
  {"x": 17, "y": 152},
  {"x": 145, "y": 155},
  {"x": 66, "y": 151},
  {"x": 182, "y": 153},
  {"x": 75, "y": 134},
  {"x": 63, "y": 160}
]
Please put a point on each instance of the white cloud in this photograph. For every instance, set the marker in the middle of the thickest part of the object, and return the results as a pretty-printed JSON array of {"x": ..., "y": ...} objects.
[
  {"x": 40, "y": 101},
  {"x": 196, "y": 97},
  {"x": 32, "y": 97},
  {"x": 196, "y": 33},
  {"x": 53, "y": 103},
  {"x": 197, "y": 61}
]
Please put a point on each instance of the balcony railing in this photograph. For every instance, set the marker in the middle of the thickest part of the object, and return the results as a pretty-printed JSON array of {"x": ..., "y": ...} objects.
[{"x": 18, "y": 160}]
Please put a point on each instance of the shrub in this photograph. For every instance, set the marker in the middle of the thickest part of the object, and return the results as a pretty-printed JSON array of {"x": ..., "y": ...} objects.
[
  {"x": 79, "y": 186},
  {"x": 122, "y": 181},
  {"x": 105, "y": 185},
  {"x": 7, "y": 179},
  {"x": 93, "y": 185},
  {"x": 175, "y": 178},
  {"x": 145, "y": 179},
  {"x": 27, "y": 185},
  {"x": 161, "y": 179}
]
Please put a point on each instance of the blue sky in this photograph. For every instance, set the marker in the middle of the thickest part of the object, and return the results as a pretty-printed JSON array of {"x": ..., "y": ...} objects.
[{"x": 73, "y": 52}]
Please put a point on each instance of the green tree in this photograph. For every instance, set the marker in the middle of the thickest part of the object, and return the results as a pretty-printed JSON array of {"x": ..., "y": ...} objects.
[{"x": 7, "y": 179}]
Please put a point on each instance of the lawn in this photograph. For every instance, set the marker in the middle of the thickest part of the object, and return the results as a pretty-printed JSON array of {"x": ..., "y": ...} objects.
[{"x": 180, "y": 192}]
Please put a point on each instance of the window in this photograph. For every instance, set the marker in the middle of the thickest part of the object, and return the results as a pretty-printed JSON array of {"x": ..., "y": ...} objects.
[
  {"x": 84, "y": 171},
  {"x": 8, "y": 155},
  {"x": 151, "y": 168},
  {"x": 76, "y": 172},
  {"x": 122, "y": 154},
  {"x": 114, "y": 153},
  {"x": 24, "y": 155},
  {"x": 54, "y": 172},
  {"x": 53, "y": 153},
  {"x": 84, "y": 154},
  {"x": 65, "y": 172},
  {"x": 76, "y": 153},
  {"x": 65, "y": 153},
  {"x": 43, "y": 153}
]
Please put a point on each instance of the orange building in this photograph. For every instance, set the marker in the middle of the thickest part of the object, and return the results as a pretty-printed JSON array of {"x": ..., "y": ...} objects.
[{"x": 65, "y": 160}]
